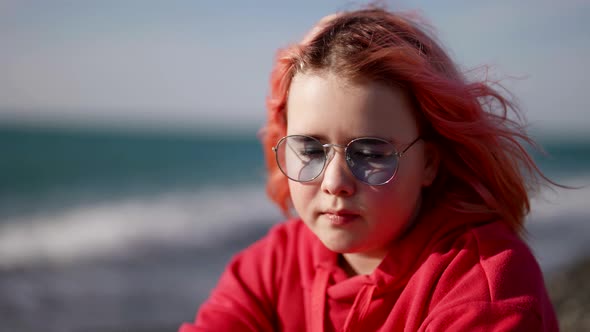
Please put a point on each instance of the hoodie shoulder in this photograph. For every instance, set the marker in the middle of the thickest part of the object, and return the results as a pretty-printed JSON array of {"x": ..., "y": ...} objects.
[
  {"x": 246, "y": 296},
  {"x": 509, "y": 266},
  {"x": 492, "y": 278}
]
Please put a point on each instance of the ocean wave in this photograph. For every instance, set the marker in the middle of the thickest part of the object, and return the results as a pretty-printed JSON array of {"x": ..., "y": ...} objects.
[
  {"x": 558, "y": 226},
  {"x": 117, "y": 228},
  {"x": 552, "y": 203},
  {"x": 207, "y": 216}
]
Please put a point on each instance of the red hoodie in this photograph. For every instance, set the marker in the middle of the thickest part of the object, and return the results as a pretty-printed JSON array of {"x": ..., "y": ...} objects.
[{"x": 450, "y": 272}]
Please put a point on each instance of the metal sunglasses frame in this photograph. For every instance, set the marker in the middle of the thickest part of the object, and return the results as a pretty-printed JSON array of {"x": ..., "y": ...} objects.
[{"x": 328, "y": 147}]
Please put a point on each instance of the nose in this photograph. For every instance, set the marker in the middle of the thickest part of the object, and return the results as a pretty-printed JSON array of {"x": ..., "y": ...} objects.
[{"x": 337, "y": 179}]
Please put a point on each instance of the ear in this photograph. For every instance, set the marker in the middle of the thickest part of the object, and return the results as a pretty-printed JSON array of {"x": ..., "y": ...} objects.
[{"x": 431, "y": 163}]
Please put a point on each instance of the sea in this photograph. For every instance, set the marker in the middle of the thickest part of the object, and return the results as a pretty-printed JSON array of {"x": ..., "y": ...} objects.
[{"x": 128, "y": 230}]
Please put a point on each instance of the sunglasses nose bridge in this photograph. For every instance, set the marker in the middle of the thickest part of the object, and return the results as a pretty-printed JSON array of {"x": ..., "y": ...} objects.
[{"x": 331, "y": 151}]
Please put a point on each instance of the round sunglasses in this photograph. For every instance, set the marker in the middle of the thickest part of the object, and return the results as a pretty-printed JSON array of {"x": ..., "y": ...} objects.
[{"x": 371, "y": 160}]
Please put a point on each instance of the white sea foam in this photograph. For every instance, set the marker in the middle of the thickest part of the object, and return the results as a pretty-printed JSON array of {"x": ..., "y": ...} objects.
[
  {"x": 558, "y": 224},
  {"x": 553, "y": 203},
  {"x": 113, "y": 228}
]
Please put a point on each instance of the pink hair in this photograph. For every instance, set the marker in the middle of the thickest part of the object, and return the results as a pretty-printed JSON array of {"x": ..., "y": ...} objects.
[{"x": 484, "y": 166}]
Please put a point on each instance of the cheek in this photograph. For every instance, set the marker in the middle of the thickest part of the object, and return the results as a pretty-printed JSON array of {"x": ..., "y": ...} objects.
[
  {"x": 394, "y": 204},
  {"x": 405, "y": 188},
  {"x": 411, "y": 172},
  {"x": 301, "y": 196}
]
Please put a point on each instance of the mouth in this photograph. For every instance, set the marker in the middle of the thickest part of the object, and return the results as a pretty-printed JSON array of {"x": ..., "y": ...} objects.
[{"x": 340, "y": 217}]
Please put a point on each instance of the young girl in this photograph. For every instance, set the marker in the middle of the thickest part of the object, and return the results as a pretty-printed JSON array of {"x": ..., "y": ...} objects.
[{"x": 410, "y": 184}]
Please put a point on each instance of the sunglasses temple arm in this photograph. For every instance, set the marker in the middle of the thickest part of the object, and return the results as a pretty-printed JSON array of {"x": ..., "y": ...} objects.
[{"x": 409, "y": 145}]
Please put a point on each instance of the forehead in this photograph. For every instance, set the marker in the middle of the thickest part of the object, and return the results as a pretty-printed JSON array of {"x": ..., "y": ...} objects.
[{"x": 326, "y": 104}]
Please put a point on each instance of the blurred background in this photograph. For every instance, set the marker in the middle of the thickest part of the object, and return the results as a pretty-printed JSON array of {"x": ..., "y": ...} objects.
[{"x": 130, "y": 170}]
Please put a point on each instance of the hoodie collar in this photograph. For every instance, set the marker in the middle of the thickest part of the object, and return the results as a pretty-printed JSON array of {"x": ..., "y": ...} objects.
[{"x": 404, "y": 257}]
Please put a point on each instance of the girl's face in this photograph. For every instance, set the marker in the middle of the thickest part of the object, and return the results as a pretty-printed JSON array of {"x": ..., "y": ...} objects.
[{"x": 347, "y": 215}]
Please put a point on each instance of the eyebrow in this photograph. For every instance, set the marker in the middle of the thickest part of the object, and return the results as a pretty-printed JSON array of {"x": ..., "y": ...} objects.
[{"x": 348, "y": 139}]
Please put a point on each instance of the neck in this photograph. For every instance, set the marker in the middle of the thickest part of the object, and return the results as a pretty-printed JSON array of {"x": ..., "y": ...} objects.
[{"x": 360, "y": 263}]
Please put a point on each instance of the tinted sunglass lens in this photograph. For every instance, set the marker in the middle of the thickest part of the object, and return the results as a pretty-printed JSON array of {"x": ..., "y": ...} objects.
[
  {"x": 372, "y": 161},
  {"x": 301, "y": 158}
]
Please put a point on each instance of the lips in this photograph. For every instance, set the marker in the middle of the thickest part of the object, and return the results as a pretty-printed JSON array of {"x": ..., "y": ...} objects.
[{"x": 340, "y": 217}]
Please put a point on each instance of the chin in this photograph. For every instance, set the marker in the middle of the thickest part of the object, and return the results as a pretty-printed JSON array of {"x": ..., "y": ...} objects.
[{"x": 341, "y": 246}]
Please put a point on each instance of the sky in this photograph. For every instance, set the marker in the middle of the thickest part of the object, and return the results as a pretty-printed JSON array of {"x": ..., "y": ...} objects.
[{"x": 200, "y": 63}]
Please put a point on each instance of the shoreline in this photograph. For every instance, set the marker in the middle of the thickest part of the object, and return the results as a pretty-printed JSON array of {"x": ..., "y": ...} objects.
[{"x": 569, "y": 292}]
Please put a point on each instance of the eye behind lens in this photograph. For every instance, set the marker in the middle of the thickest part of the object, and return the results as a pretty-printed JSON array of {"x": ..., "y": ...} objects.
[
  {"x": 301, "y": 158},
  {"x": 371, "y": 160}
]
